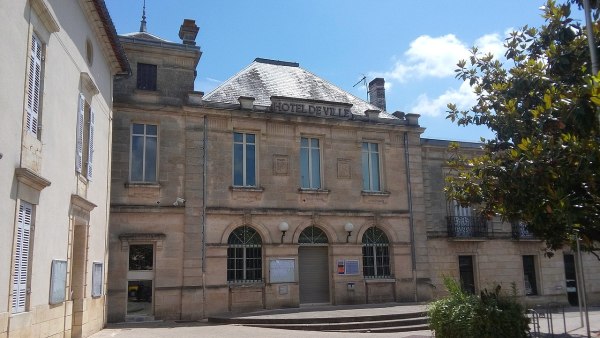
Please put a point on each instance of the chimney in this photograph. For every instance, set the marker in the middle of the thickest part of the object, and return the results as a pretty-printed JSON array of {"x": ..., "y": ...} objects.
[
  {"x": 188, "y": 32},
  {"x": 377, "y": 93}
]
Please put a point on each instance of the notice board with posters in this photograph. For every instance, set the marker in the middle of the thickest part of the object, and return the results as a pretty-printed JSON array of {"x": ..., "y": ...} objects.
[{"x": 282, "y": 270}]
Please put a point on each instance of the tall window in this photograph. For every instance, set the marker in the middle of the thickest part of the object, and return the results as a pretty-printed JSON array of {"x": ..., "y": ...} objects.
[
  {"x": 34, "y": 85},
  {"x": 244, "y": 160},
  {"x": 244, "y": 255},
  {"x": 85, "y": 138},
  {"x": 529, "y": 275},
  {"x": 466, "y": 272},
  {"x": 146, "y": 76},
  {"x": 22, "y": 257},
  {"x": 144, "y": 141},
  {"x": 376, "y": 254},
  {"x": 370, "y": 166},
  {"x": 310, "y": 163}
]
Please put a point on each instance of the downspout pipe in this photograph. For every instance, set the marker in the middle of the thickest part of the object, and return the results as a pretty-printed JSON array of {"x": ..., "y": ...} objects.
[
  {"x": 204, "y": 197},
  {"x": 410, "y": 217}
]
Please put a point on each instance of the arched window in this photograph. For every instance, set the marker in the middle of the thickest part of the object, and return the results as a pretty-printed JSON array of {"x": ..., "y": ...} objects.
[
  {"x": 376, "y": 254},
  {"x": 244, "y": 255},
  {"x": 312, "y": 235}
]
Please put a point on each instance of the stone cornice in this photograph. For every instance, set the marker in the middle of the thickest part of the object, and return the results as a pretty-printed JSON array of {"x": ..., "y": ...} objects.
[
  {"x": 82, "y": 203},
  {"x": 30, "y": 178}
]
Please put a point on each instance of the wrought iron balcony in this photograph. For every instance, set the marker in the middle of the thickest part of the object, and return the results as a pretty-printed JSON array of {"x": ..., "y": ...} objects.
[
  {"x": 520, "y": 231},
  {"x": 467, "y": 227}
]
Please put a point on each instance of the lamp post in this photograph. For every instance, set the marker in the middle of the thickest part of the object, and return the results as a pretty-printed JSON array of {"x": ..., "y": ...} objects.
[{"x": 581, "y": 277}]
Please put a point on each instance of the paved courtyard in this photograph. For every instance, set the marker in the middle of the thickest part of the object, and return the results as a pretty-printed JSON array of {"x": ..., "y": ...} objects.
[{"x": 204, "y": 329}]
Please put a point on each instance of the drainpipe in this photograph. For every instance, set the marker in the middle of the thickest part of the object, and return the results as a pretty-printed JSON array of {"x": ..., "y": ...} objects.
[
  {"x": 410, "y": 217},
  {"x": 204, "y": 196}
]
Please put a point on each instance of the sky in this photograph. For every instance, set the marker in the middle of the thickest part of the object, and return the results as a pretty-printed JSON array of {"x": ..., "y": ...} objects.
[{"x": 414, "y": 45}]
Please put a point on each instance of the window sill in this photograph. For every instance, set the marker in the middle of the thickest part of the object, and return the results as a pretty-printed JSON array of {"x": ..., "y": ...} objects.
[
  {"x": 313, "y": 191},
  {"x": 370, "y": 280},
  {"x": 246, "y": 189},
  {"x": 242, "y": 284},
  {"x": 376, "y": 193},
  {"x": 142, "y": 185}
]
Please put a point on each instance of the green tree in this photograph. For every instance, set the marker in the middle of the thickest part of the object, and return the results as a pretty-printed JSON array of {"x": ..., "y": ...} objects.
[{"x": 543, "y": 165}]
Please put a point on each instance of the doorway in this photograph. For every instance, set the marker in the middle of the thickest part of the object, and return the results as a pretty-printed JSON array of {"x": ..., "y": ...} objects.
[
  {"x": 79, "y": 254},
  {"x": 571, "y": 279},
  {"x": 313, "y": 266},
  {"x": 140, "y": 277}
]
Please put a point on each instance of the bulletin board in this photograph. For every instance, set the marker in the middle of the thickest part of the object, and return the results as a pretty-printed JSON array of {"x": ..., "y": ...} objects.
[{"x": 282, "y": 270}]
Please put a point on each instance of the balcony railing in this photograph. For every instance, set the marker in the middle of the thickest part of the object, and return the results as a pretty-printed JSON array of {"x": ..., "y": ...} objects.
[
  {"x": 467, "y": 227},
  {"x": 520, "y": 231}
]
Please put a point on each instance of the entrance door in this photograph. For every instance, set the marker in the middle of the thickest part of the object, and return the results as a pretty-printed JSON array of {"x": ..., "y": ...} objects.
[
  {"x": 467, "y": 278},
  {"x": 79, "y": 254},
  {"x": 571, "y": 279},
  {"x": 139, "y": 280},
  {"x": 313, "y": 274}
]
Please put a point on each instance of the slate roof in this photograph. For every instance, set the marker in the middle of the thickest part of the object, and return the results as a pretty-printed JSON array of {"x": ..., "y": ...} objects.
[{"x": 265, "y": 78}]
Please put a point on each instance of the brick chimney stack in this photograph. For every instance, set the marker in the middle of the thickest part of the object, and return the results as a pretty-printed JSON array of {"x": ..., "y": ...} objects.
[
  {"x": 188, "y": 32},
  {"x": 377, "y": 93}
]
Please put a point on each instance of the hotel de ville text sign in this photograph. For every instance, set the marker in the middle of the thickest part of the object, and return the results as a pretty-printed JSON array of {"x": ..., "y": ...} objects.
[{"x": 288, "y": 105}]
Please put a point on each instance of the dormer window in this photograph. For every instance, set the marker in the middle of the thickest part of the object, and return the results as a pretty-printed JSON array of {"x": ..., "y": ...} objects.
[{"x": 146, "y": 76}]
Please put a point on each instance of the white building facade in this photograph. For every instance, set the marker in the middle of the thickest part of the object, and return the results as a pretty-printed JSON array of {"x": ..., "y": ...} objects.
[{"x": 58, "y": 64}]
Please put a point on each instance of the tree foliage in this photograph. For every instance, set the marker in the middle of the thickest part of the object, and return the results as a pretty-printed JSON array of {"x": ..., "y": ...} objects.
[
  {"x": 490, "y": 315},
  {"x": 543, "y": 165}
]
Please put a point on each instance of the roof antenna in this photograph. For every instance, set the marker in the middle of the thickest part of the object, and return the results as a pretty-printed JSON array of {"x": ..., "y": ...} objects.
[
  {"x": 363, "y": 81},
  {"x": 143, "y": 23}
]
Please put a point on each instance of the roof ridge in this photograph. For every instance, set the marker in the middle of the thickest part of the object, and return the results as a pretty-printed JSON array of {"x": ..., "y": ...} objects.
[
  {"x": 277, "y": 62},
  {"x": 344, "y": 91}
]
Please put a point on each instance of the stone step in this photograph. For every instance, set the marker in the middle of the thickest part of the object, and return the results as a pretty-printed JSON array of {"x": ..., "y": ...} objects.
[
  {"x": 266, "y": 319},
  {"x": 407, "y": 328},
  {"x": 352, "y": 325}
]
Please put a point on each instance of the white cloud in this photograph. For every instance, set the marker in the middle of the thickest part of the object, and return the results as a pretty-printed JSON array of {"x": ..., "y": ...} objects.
[
  {"x": 437, "y": 56},
  {"x": 464, "y": 98}
]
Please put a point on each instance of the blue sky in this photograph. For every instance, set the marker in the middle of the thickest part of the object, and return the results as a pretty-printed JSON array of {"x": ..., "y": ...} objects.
[{"x": 414, "y": 45}]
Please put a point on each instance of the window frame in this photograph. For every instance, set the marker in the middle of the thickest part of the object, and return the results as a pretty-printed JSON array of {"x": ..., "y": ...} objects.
[
  {"x": 370, "y": 179},
  {"x": 97, "y": 279},
  {"x": 244, "y": 159},
  {"x": 146, "y": 76},
  {"x": 145, "y": 136},
  {"x": 310, "y": 165},
  {"x": 535, "y": 286},
  {"x": 85, "y": 137},
  {"x": 472, "y": 289},
  {"x": 246, "y": 248},
  {"x": 22, "y": 261},
  {"x": 34, "y": 85},
  {"x": 380, "y": 253}
]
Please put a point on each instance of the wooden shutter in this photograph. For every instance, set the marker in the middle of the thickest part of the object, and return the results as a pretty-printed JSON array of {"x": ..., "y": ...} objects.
[
  {"x": 97, "y": 279},
  {"x": 90, "y": 146},
  {"x": 79, "y": 146},
  {"x": 33, "y": 85},
  {"x": 19, "y": 294}
]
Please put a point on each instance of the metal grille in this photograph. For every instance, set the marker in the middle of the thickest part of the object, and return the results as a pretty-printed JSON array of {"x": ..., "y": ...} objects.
[
  {"x": 376, "y": 254},
  {"x": 244, "y": 255},
  {"x": 466, "y": 226}
]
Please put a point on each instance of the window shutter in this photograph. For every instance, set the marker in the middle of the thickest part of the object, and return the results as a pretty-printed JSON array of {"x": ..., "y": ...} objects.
[
  {"x": 80, "y": 112},
  {"x": 90, "y": 146},
  {"x": 33, "y": 85},
  {"x": 19, "y": 295}
]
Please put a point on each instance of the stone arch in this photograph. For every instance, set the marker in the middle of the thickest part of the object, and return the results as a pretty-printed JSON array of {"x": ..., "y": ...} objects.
[
  {"x": 387, "y": 229},
  {"x": 331, "y": 235},
  {"x": 262, "y": 231}
]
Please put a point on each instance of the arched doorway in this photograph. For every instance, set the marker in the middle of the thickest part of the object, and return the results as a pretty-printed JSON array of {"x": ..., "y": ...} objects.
[{"x": 313, "y": 258}]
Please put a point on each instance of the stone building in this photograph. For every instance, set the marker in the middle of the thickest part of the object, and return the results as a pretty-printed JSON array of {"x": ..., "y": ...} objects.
[
  {"x": 278, "y": 189},
  {"x": 58, "y": 63}
]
